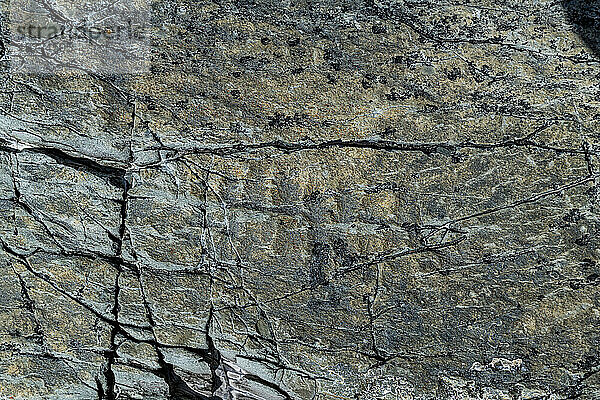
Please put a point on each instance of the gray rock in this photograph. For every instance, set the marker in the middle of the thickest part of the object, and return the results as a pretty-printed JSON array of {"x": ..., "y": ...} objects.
[{"x": 309, "y": 200}]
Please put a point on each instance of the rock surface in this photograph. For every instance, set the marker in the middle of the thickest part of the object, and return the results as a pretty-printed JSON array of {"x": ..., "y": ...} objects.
[{"x": 309, "y": 200}]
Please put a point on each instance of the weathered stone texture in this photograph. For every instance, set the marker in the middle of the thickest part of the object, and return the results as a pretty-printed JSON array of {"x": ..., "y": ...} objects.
[{"x": 309, "y": 200}]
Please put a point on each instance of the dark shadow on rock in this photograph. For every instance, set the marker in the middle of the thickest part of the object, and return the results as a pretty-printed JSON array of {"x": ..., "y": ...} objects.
[{"x": 585, "y": 17}]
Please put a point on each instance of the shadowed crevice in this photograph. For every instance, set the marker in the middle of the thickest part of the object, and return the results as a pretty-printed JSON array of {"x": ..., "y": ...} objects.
[{"x": 584, "y": 15}]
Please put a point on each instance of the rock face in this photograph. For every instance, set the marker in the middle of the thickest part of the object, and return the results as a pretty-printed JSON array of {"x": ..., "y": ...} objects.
[{"x": 309, "y": 200}]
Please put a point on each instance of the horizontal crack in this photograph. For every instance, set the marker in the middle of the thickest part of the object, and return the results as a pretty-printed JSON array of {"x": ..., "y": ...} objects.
[{"x": 115, "y": 175}]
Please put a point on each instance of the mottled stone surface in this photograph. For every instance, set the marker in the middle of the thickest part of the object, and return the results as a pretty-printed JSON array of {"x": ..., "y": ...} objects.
[{"x": 309, "y": 200}]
